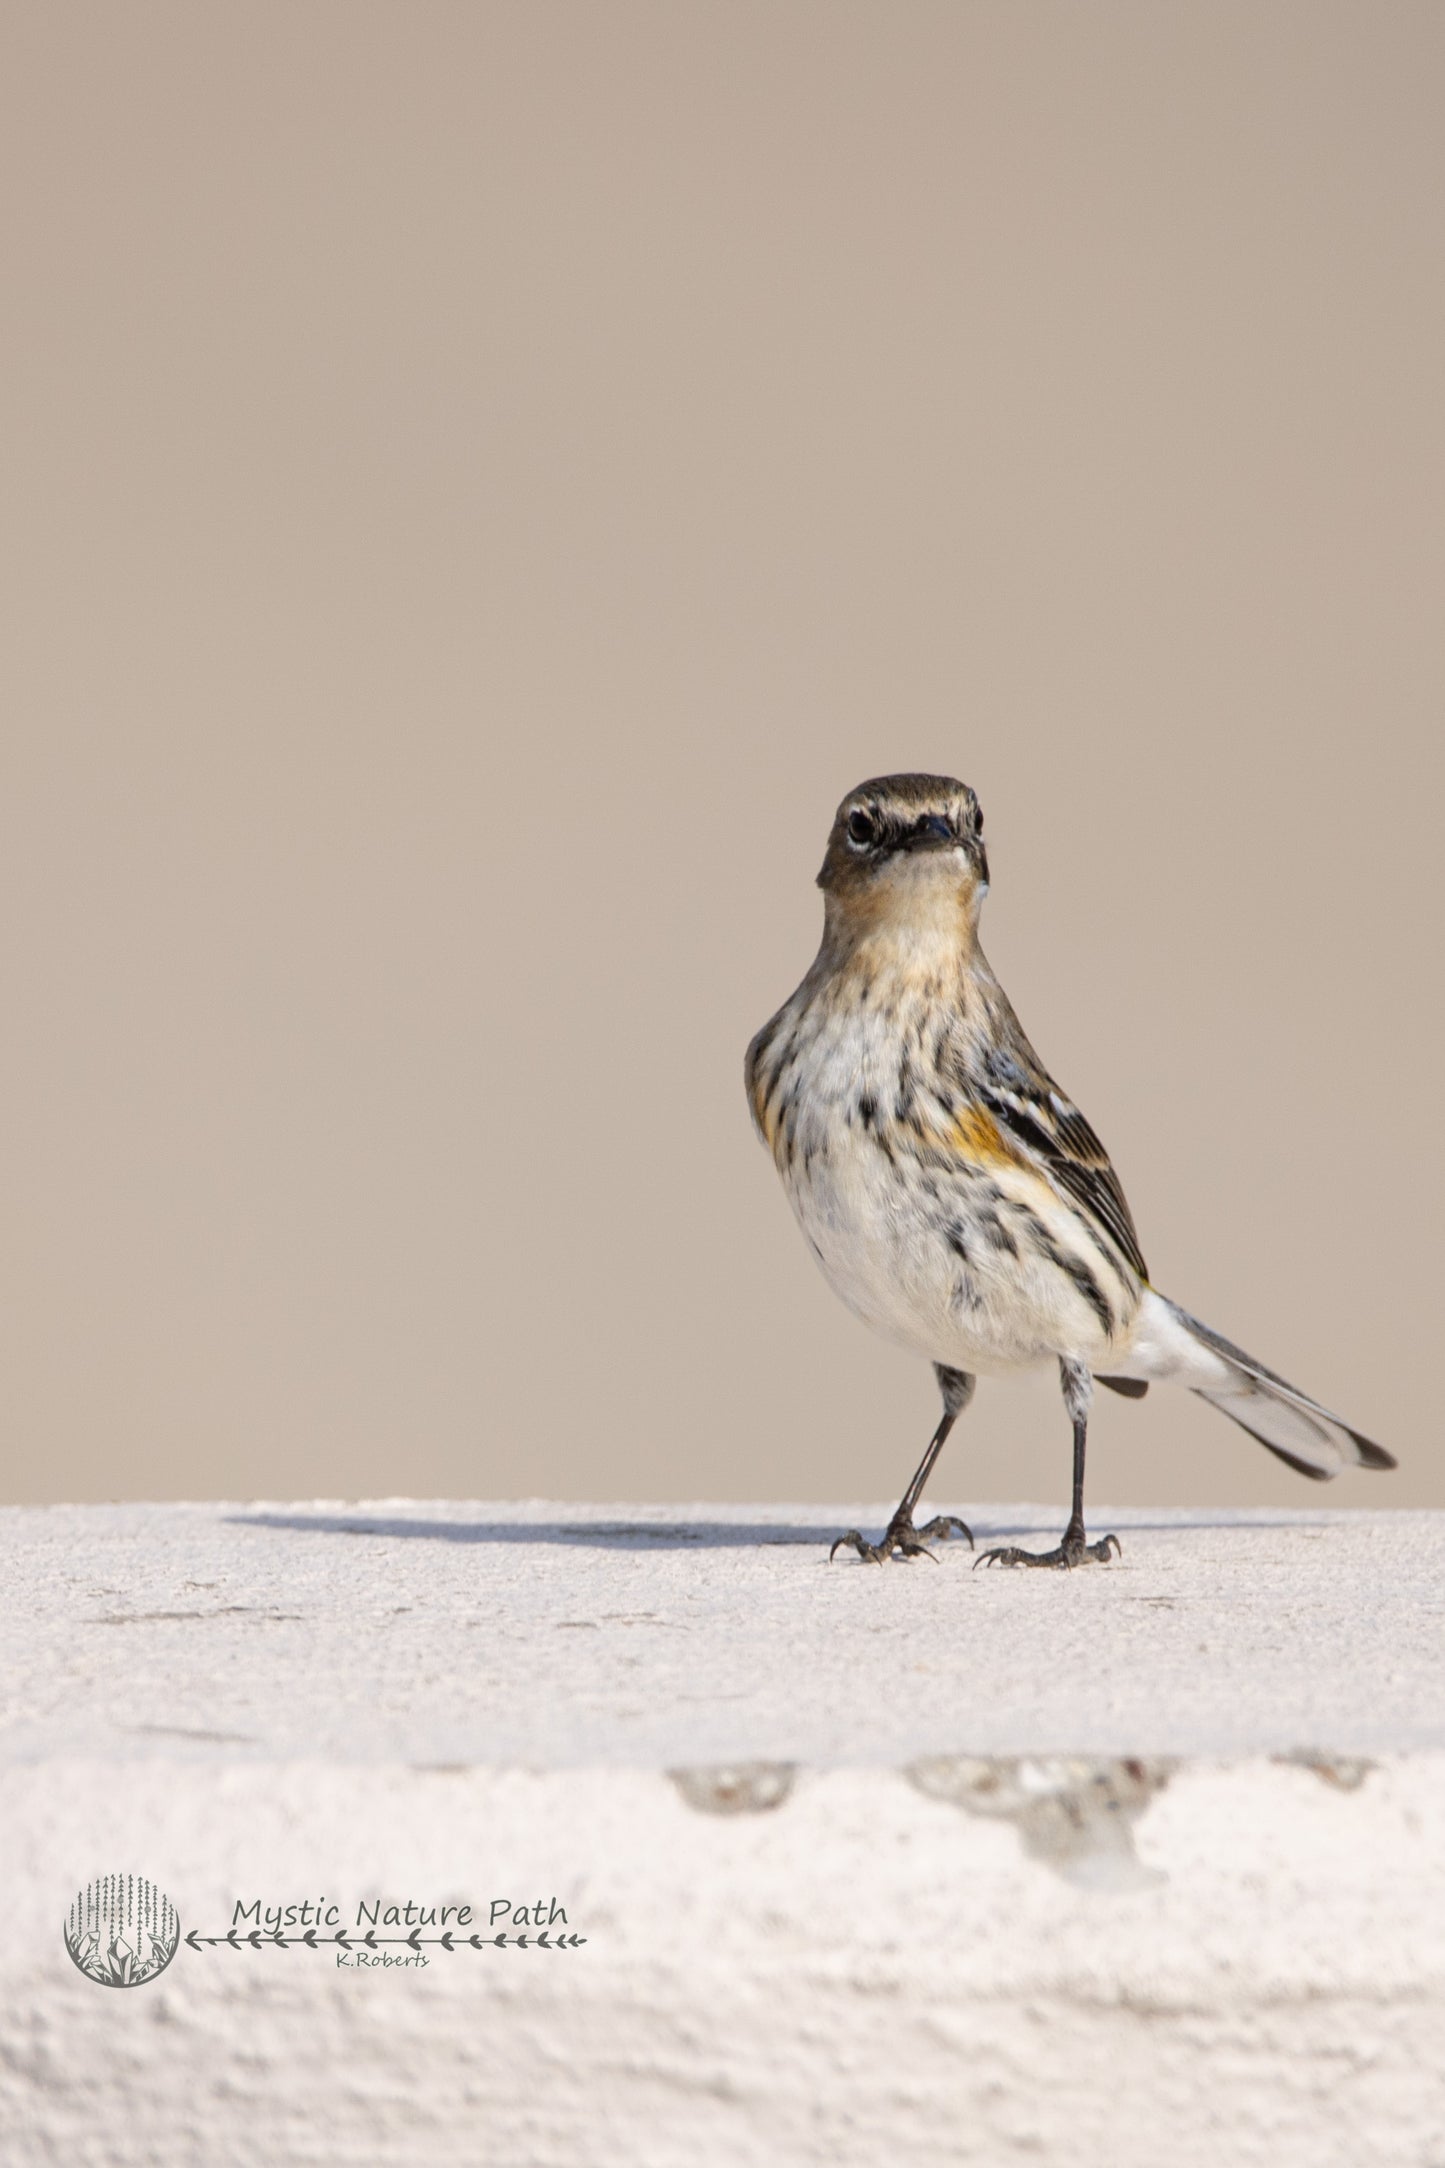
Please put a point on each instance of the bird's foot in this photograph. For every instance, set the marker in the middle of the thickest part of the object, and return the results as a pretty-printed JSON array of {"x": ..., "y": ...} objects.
[
  {"x": 903, "y": 1540},
  {"x": 1071, "y": 1550}
]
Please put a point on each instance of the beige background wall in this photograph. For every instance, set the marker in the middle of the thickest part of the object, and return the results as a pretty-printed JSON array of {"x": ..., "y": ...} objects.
[{"x": 480, "y": 482}]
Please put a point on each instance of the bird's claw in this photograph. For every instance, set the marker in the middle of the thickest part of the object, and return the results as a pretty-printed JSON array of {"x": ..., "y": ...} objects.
[
  {"x": 944, "y": 1527},
  {"x": 1071, "y": 1551},
  {"x": 864, "y": 1550},
  {"x": 903, "y": 1540}
]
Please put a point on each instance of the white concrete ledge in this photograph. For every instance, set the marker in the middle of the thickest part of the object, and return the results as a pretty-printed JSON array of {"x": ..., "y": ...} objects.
[{"x": 1137, "y": 1864}]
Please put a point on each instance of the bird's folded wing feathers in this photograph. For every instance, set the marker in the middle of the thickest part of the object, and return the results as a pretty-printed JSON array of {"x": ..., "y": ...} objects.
[{"x": 1024, "y": 1099}]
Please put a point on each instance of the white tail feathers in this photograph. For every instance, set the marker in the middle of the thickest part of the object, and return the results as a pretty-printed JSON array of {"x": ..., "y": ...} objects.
[{"x": 1172, "y": 1344}]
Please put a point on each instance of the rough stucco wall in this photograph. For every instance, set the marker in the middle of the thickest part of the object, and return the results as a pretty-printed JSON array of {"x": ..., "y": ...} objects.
[{"x": 929, "y": 1941}]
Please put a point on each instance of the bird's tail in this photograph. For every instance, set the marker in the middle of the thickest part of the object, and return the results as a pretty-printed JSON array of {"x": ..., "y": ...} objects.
[{"x": 1172, "y": 1344}]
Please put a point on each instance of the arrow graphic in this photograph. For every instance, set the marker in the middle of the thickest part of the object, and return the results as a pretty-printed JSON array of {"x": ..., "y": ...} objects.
[{"x": 256, "y": 1940}]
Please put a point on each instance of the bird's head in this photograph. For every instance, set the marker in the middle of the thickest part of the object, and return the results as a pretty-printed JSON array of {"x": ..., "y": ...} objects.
[{"x": 906, "y": 858}]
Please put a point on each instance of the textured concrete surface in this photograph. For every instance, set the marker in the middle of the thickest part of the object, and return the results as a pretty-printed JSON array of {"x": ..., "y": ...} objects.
[
  {"x": 1138, "y": 1863},
  {"x": 535, "y": 1635}
]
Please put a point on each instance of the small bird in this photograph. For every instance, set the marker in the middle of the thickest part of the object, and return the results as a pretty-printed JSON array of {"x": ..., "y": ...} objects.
[{"x": 954, "y": 1197}]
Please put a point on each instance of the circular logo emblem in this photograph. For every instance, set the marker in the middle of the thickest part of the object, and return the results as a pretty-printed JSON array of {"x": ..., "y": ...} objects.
[{"x": 122, "y": 1930}]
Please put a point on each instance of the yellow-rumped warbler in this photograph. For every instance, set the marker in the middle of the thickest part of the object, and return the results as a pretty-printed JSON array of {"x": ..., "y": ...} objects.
[{"x": 953, "y": 1196}]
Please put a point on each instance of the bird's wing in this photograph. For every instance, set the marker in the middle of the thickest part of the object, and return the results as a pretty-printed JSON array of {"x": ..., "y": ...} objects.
[{"x": 1030, "y": 1109}]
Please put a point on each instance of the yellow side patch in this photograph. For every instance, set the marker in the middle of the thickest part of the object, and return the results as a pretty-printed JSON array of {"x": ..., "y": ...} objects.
[{"x": 978, "y": 1137}]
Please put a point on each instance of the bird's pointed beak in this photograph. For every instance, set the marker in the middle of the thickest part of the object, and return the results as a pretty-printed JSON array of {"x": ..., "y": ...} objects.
[{"x": 931, "y": 832}]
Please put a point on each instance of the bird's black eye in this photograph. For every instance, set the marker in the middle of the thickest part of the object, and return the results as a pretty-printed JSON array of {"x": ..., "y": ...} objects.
[{"x": 861, "y": 831}]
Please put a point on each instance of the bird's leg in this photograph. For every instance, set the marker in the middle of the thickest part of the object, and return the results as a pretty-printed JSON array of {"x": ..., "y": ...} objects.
[
  {"x": 1071, "y": 1550},
  {"x": 902, "y": 1539}
]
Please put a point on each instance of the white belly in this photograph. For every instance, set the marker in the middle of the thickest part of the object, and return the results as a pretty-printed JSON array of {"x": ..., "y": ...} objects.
[
  {"x": 980, "y": 1264},
  {"x": 923, "y": 1271}
]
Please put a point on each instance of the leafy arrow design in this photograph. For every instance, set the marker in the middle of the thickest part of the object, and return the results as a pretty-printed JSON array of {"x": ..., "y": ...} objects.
[{"x": 371, "y": 1940}]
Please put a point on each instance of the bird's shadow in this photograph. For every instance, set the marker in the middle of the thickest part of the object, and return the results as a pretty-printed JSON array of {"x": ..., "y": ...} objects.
[{"x": 694, "y": 1534}]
